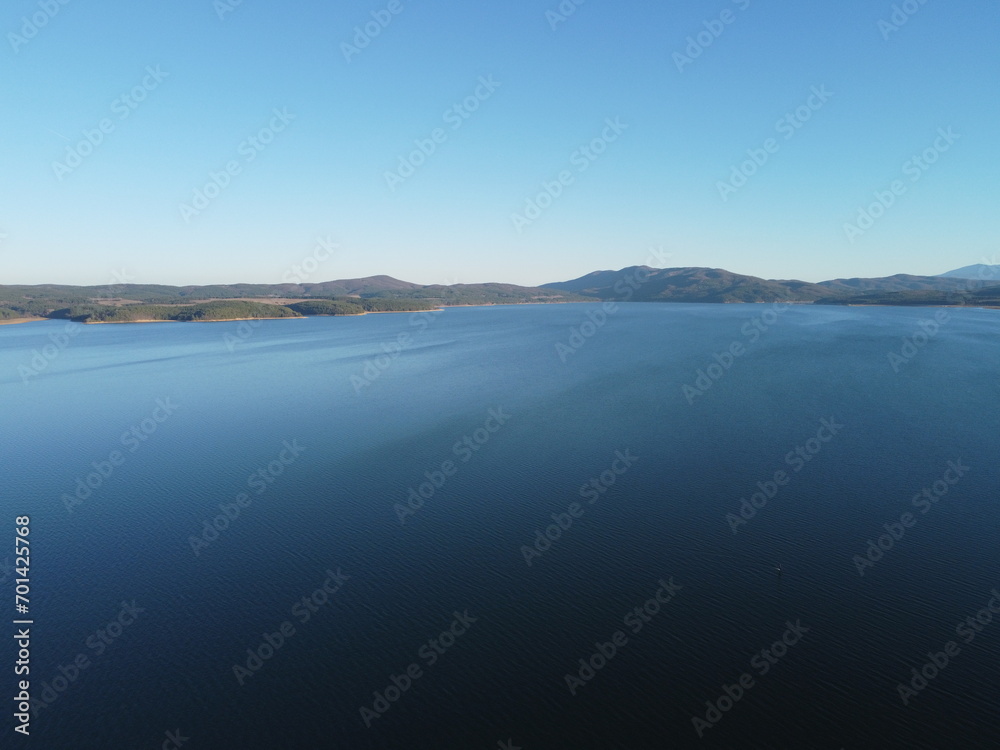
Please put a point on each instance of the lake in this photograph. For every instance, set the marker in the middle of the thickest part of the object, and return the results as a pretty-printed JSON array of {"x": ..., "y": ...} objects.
[{"x": 539, "y": 526}]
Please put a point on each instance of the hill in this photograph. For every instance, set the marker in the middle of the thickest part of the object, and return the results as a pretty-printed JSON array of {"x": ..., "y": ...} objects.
[
  {"x": 644, "y": 284},
  {"x": 901, "y": 282},
  {"x": 120, "y": 303},
  {"x": 207, "y": 311},
  {"x": 987, "y": 297},
  {"x": 978, "y": 271},
  {"x": 134, "y": 302},
  {"x": 719, "y": 285}
]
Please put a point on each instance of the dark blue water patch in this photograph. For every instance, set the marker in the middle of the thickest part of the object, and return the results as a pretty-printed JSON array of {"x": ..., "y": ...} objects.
[{"x": 665, "y": 517}]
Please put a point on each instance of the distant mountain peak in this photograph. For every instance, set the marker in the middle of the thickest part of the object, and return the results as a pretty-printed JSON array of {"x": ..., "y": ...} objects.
[
  {"x": 977, "y": 271},
  {"x": 699, "y": 284}
]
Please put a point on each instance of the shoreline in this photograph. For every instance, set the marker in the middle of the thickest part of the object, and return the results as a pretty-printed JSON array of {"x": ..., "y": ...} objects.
[
  {"x": 956, "y": 307},
  {"x": 232, "y": 320},
  {"x": 16, "y": 321},
  {"x": 161, "y": 320}
]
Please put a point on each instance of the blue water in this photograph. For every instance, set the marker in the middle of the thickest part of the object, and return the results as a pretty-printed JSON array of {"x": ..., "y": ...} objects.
[{"x": 336, "y": 503}]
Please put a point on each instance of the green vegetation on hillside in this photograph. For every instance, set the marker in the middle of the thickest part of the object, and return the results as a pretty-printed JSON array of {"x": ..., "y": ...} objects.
[
  {"x": 225, "y": 310},
  {"x": 642, "y": 284},
  {"x": 132, "y": 302},
  {"x": 129, "y": 302},
  {"x": 38, "y": 305},
  {"x": 989, "y": 297},
  {"x": 327, "y": 307},
  {"x": 401, "y": 304},
  {"x": 355, "y": 306},
  {"x": 478, "y": 294}
]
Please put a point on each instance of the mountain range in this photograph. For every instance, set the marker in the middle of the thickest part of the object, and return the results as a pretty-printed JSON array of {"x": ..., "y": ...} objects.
[
  {"x": 718, "y": 285},
  {"x": 977, "y": 285}
]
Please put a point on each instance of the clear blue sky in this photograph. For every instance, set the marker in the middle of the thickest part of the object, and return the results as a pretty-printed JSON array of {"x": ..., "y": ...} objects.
[{"x": 656, "y": 184}]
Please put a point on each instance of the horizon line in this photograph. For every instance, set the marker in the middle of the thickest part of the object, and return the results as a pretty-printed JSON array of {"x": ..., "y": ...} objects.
[{"x": 472, "y": 283}]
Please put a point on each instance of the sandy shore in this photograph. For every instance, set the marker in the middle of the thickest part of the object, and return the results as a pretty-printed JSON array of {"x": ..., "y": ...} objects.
[
  {"x": 12, "y": 321},
  {"x": 231, "y": 320},
  {"x": 112, "y": 322},
  {"x": 206, "y": 320}
]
